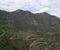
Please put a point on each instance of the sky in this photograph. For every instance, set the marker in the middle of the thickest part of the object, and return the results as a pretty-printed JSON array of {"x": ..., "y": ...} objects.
[{"x": 35, "y": 6}]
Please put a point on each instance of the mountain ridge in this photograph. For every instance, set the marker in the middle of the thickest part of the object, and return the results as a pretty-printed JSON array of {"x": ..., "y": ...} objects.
[{"x": 20, "y": 10}]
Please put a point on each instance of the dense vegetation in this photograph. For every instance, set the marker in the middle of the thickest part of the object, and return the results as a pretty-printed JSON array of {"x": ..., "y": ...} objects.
[{"x": 23, "y": 30}]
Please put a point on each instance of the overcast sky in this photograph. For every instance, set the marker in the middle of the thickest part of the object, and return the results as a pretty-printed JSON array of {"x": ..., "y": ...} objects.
[{"x": 36, "y": 6}]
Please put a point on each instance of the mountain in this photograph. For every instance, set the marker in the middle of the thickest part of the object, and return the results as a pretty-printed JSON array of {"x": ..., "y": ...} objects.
[
  {"x": 21, "y": 24},
  {"x": 40, "y": 21}
]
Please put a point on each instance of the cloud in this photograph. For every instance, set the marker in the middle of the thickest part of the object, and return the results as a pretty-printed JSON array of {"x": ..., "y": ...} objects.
[
  {"x": 22, "y": 4},
  {"x": 43, "y": 10}
]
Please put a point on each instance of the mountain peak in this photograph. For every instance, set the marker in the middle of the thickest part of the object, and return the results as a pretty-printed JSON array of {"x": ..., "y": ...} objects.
[
  {"x": 44, "y": 13},
  {"x": 18, "y": 10}
]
